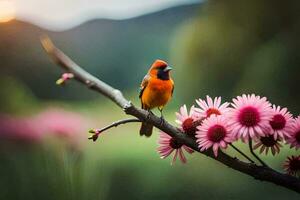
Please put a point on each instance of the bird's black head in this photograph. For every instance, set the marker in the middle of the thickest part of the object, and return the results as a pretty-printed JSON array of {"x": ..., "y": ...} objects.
[
  {"x": 160, "y": 69},
  {"x": 163, "y": 73}
]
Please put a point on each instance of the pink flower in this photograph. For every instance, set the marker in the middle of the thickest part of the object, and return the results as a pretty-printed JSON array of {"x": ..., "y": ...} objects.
[
  {"x": 250, "y": 117},
  {"x": 294, "y": 139},
  {"x": 209, "y": 107},
  {"x": 68, "y": 126},
  {"x": 63, "y": 124},
  {"x": 167, "y": 145},
  {"x": 188, "y": 121},
  {"x": 265, "y": 143},
  {"x": 281, "y": 123},
  {"x": 19, "y": 129},
  {"x": 60, "y": 122},
  {"x": 214, "y": 132},
  {"x": 292, "y": 165}
]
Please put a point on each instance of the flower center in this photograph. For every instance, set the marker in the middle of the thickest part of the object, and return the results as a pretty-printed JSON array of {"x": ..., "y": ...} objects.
[
  {"x": 295, "y": 165},
  {"x": 211, "y": 111},
  {"x": 278, "y": 122},
  {"x": 249, "y": 116},
  {"x": 216, "y": 133},
  {"x": 175, "y": 144},
  {"x": 188, "y": 126},
  {"x": 268, "y": 141},
  {"x": 297, "y": 136}
]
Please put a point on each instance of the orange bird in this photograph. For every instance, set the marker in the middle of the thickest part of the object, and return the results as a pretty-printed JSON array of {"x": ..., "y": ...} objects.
[{"x": 156, "y": 91}]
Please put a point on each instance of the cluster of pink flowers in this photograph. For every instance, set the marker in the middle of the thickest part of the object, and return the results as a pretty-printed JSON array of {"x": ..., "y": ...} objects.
[
  {"x": 51, "y": 122},
  {"x": 249, "y": 117}
]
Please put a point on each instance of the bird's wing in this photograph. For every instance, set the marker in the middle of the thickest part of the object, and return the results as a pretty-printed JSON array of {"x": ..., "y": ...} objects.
[
  {"x": 172, "y": 87},
  {"x": 144, "y": 85}
]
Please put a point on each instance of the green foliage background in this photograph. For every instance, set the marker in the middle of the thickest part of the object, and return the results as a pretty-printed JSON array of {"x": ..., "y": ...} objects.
[{"x": 236, "y": 47}]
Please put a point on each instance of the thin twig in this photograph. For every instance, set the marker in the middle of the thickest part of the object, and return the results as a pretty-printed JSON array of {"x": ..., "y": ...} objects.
[
  {"x": 258, "y": 172},
  {"x": 96, "y": 132},
  {"x": 243, "y": 154},
  {"x": 256, "y": 156},
  {"x": 79, "y": 74}
]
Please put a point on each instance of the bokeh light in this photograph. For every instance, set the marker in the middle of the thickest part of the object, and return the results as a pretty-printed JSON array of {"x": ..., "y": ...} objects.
[{"x": 7, "y": 11}]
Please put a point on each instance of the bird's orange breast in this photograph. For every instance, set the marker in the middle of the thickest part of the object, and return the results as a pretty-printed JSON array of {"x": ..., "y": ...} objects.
[{"x": 157, "y": 93}]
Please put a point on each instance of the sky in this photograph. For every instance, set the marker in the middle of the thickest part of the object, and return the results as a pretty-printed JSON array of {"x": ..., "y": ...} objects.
[{"x": 65, "y": 14}]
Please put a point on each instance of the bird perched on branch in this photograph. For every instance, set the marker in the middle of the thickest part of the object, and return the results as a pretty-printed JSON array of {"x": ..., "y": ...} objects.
[{"x": 156, "y": 91}]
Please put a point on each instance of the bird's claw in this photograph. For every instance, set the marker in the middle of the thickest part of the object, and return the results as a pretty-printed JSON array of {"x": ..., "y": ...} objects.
[
  {"x": 162, "y": 120},
  {"x": 149, "y": 114}
]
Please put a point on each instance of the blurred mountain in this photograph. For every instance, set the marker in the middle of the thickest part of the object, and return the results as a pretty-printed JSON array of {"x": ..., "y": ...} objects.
[{"x": 117, "y": 51}]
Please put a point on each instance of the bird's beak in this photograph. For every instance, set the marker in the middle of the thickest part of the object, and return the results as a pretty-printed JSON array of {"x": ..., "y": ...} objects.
[{"x": 168, "y": 68}]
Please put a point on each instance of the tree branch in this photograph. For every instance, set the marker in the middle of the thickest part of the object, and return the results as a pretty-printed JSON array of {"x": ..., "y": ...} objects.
[
  {"x": 96, "y": 132},
  {"x": 258, "y": 172},
  {"x": 256, "y": 156},
  {"x": 235, "y": 148}
]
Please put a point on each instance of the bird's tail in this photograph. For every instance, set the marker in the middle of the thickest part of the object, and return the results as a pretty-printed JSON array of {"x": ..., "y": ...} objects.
[{"x": 146, "y": 129}]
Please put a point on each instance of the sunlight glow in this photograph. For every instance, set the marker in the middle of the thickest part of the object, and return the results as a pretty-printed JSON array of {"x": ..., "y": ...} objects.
[{"x": 7, "y": 11}]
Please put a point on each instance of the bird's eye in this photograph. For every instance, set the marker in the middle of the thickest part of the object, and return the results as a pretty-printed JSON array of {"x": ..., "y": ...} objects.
[{"x": 161, "y": 67}]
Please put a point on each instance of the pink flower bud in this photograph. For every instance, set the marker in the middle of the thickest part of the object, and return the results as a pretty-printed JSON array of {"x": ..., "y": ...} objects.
[
  {"x": 95, "y": 134},
  {"x": 64, "y": 78}
]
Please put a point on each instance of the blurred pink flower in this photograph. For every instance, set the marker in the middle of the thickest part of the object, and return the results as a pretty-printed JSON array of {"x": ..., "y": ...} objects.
[
  {"x": 281, "y": 123},
  {"x": 52, "y": 122},
  {"x": 167, "y": 145},
  {"x": 250, "y": 117},
  {"x": 214, "y": 132},
  {"x": 292, "y": 165},
  {"x": 12, "y": 128},
  {"x": 59, "y": 122},
  {"x": 294, "y": 140},
  {"x": 210, "y": 106},
  {"x": 64, "y": 124}
]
